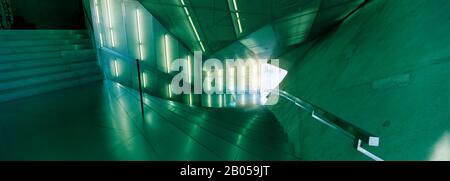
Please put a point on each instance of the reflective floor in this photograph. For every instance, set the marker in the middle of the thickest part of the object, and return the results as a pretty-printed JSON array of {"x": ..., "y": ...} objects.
[{"x": 102, "y": 121}]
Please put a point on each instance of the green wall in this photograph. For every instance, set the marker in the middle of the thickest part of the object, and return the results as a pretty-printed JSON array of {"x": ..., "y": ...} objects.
[
  {"x": 124, "y": 40},
  {"x": 386, "y": 69}
]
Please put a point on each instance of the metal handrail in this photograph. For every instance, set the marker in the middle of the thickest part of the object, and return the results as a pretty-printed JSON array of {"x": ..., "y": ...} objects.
[{"x": 359, "y": 135}]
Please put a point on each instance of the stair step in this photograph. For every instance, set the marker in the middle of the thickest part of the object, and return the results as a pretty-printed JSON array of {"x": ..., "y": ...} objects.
[
  {"x": 45, "y": 55},
  {"x": 41, "y": 32},
  {"x": 67, "y": 41},
  {"x": 39, "y": 63},
  {"x": 30, "y": 81},
  {"x": 8, "y": 38},
  {"x": 34, "y": 49},
  {"x": 39, "y": 71},
  {"x": 49, "y": 87}
]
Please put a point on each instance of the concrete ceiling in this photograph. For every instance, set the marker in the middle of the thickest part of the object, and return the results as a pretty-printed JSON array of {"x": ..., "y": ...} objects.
[{"x": 293, "y": 21}]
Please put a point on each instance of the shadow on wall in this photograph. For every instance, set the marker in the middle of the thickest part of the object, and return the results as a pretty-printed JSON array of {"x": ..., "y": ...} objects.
[{"x": 48, "y": 14}]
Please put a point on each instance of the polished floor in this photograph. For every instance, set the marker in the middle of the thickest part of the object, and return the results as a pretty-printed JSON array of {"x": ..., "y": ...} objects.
[{"x": 102, "y": 121}]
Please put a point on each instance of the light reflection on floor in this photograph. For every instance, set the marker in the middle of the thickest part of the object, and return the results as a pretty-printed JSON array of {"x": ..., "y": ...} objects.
[{"x": 102, "y": 121}]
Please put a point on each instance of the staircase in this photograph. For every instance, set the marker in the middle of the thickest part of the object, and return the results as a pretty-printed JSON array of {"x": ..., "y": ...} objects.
[{"x": 38, "y": 61}]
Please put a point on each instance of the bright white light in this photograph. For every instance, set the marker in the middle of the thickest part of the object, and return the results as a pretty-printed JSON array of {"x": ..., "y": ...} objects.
[
  {"x": 101, "y": 39},
  {"x": 220, "y": 100},
  {"x": 237, "y": 16},
  {"x": 209, "y": 100},
  {"x": 231, "y": 78},
  {"x": 243, "y": 79},
  {"x": 144, "y": 79},
  {"x": 169, "y": 89},
  {"x": 113, "y": 43},
  {"x": 441, "y": 149},
  {"x": 186, "y": 10},
  {"x": 116, "y": 68},
  {"x": 192, "y": 25},
  {"x": 255, "y": 80},
  {"x": 219, "y": 83},
  {"x": 138, "y": 22},
  {"x": 270, "y": 76},
  {"x": 243, "y": 99},
  {"x": 239, "y": 23},
  {"x": 166, "y": 49},
  {"x": 189, "y": 72},
  {"x": 97, "y": 12},
  {"x": 254, "y": 98}
]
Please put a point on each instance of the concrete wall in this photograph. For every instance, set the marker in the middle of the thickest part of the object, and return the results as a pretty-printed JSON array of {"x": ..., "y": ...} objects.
[
  {"x": 48, "y": 14},
  {"x": 385, "y": 69}
]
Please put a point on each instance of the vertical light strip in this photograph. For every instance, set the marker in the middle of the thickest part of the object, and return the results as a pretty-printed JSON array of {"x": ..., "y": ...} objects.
[
  {"x": 113, "y": 43},
  {"x": 209, "y": 100},
  {"x": 237, "y": 16},
  {"x": 144, "y": 79},
  {"x": 243, "y": 79},
  {"x": 208, "y": 82},
  {"x": 138, "y": 22},
  {"x": 231, "y": 80},
  {"x": 189, "y": 69},
  {"x": 255, "y": 76},
  {"x": 219, "y": 82},
  {"x": 192, "y": 25},
  {"x": 101, "y": 39},
  {"x": 255, "y": 101},
  {"x": 116, "y": 68},
  {"x": 220, "y": 100},
  {"x": 166, "y": 52},
  {"x": 189, "y": 74},
  {"x": 97, "y": 14}
]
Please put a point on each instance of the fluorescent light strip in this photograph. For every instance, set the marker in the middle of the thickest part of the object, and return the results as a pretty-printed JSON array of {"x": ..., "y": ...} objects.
[
  {"x": 237, "y": 16},
  {"x": 220, "y": 80},
  {"x": 96, "y": 12},
  {"x": 170, "y": 91},
  {"x": 186, "y": 10},
  {"x": 192, "y": 25},
  {"x": 116, "y": 68},
  {"x": 138, "y": 22},
  {"x": 166, "y": 50},
  {"x": 231, "y": 80},
  {"x": 189, "y": 68},
  {"x": 101, "y": 39},
  {"x": 242, "y": 83},
  {"x": 144, "y": 79},
  {"x": 189, "y": 77},
  {"x": 239, "y": 24},
  {"x": 113, "y": 44}
]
